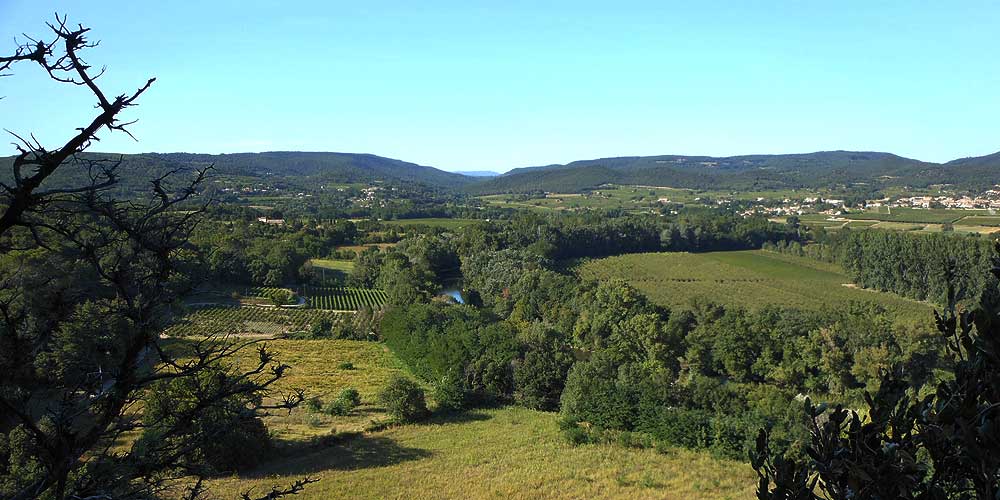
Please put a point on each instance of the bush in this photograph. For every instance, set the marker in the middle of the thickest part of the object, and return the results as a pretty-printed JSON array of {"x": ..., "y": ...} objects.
[
  {"x": 351, "y": 396},
  {"x": 449, "y": 394},
  {"x": 403, "y": 399},
  {"x": 338, "y": 408},
  {"x": 314, "y": 404},
  {"x": 346, "y": 365},
  {"x": 345, "y": 402},
  {"x": 575, "y": 435},
  {"x": 321, "y": 328}
]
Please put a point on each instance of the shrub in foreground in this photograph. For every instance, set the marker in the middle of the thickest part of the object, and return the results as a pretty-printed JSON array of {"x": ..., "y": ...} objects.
[{"x": 403, "y": 400}]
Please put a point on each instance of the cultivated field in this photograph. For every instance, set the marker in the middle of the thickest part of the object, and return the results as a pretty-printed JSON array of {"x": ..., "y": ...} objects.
[
  {"x": 245, "y": 320},
  {"x": 342, "y": 298},
  {"x": 925, "y": 215},
  {"x": 906, "y": 219},
  {"x": 979, "y": 220},
  {"x": 744, "y": 278},
  {"x": 633, "y": 198},
  {"x": 329, "y": 298},
  {"x": 497, "y": 453},
  {"x": 434, "y": 222}
]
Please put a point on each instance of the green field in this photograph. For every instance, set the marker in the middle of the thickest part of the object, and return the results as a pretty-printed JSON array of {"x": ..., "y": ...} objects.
[
  {"x": 979, "y": 220},
  {"x": 496, "y": 453},
  {"x": 749, "y": 278},
  {"x": 633, "y": 198},
  {"x": 434, "y": 222},
  {"x": 342, "y": 298},
  {"x": 905, "y": 219},
  {"x": 344, "y": 266},
  {"x": 817, "y": 220},
  {"x": 925, "y": 215},
  {"x": 245, "y": 320}
]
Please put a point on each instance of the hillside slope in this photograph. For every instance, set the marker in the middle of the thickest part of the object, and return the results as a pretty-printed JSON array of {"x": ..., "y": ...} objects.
[
  {"x": 290, "y": 166},
  {"x": 747, "y": 172}
]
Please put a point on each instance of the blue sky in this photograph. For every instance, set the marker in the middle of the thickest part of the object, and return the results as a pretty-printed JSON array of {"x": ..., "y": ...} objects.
[{"x": 497, "y": 85}]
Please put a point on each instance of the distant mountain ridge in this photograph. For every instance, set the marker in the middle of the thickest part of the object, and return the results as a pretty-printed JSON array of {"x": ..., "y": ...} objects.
[
  {"x": 824, "y": 168},
  {"x": 820, "y": 169},
  {"x": 289, "y": 165}
]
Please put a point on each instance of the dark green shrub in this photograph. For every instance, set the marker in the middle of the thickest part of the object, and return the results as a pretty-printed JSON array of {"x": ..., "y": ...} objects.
[
  {"x": 338, "y": 407},
  {"x": 346, "y": 365},
  {"x": 321, "y": 328},
  {"x": 403, "y": 399},
  {"x": 350, "y": 395},
  {"x": 314, "y": 404},
  {"x": 681, "y": 427},
  {"x": 575, "y": 435},
  {"x": 346, "y": 401},
  {"x": 449, "y": 394}
]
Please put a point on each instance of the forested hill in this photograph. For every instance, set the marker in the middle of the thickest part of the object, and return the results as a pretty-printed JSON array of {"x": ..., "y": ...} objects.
[
  {"x": 291, "y": 167},
  {"x": 748, "y": 172}
]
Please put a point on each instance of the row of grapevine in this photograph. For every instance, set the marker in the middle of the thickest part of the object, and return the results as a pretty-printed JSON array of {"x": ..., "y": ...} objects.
[
  {"x": 246, "y": 320},
  {"x": 263, "y": 291},
  {"x": 342, "y": 298}
]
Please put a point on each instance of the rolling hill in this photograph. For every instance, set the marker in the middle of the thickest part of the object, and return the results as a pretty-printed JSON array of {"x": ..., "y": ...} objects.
[
  {"x": 758, "y": 172},
  {"x": 819, "y": 169},
  {"x": 293, "y": 168}
]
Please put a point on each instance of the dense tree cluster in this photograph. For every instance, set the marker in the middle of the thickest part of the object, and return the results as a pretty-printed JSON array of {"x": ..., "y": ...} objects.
[
  {"x": 267, "y": 255},
  {"x": 938, "y": 444},
  {"x": 919, "y": 266}
]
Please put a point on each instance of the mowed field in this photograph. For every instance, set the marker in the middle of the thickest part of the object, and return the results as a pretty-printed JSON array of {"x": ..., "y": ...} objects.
[
  {"x": 506, "y": 452},
  {"x": 750, "y": 278}
]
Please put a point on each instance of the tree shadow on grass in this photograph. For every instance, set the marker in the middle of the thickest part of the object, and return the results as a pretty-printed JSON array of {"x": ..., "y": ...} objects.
[
  {"x": 456, "y": 417},
  {"x": 351, "y": 450},
  {"x": 341, "y": 453}
]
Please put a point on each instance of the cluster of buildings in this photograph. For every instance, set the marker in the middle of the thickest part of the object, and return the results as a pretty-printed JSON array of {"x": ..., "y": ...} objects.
[
  {"x": 369, "y": 197},
  {"x": 988, "y": 199}
]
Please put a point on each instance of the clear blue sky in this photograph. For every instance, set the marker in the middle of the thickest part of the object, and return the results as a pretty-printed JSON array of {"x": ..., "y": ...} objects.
[{"x": 495, "y": 85}]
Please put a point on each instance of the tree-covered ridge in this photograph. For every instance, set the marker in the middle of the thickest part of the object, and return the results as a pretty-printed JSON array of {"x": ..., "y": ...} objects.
[
  {"x": 299, "y": 169},
  {"x": 821, "y": 169}
]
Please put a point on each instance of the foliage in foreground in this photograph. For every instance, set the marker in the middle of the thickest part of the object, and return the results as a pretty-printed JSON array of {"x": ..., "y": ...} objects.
[
  {"x": 943, "y": 446},
  {"x": 85, "y": 284}
]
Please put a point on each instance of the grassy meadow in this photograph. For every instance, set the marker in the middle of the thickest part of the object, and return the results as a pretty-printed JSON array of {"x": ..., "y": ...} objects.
[
  {"x": 433, "y": 222},
  {"x": 344, "y": 266},
  {"x": 925, "y": 215},
  {"x": 750, "y": 278},
  {"x": 506, "y": 452}
]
